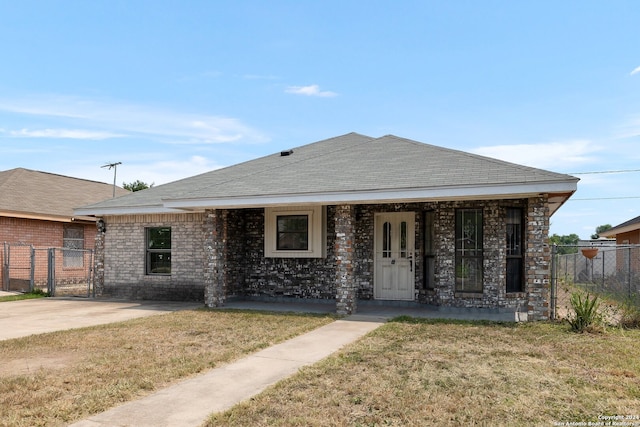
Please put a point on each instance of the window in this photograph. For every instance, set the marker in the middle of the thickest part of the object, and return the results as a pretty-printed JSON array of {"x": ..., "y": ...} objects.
[
  {"x": 429, "y": 251},
  {"x": 515, "y": 265},
  {"x": 295, "y": 232},
  {"x": 73, "y": 242},
  {"x": 292, "y": 233},
  {"x": 469, "y": 250},
  {"x": 158, "y": 244}
]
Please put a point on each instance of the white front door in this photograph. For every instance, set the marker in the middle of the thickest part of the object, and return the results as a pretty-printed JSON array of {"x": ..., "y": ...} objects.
[{"x": 394, "y": 237}]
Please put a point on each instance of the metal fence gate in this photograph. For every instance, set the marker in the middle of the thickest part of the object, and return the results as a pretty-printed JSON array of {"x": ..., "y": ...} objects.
[
  {"x": 58, "y": 271},
  {"x": 609, "y": 271}
]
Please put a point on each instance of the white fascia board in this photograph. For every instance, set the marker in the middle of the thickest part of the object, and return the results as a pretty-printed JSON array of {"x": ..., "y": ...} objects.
[
  {"x": 377, "y": 196},
  {"x": 129, "y": 210},
  {"x": 615, "y": 231}
]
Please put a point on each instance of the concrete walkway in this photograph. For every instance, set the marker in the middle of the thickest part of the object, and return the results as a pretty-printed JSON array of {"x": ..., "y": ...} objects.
[{"x": 189, "y": 403}]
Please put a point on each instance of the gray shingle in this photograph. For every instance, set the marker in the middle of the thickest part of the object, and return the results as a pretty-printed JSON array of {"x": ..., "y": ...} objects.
[{"x": 348, "y": 163}]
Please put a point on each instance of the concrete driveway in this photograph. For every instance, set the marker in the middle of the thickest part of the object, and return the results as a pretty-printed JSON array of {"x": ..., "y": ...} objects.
[{"x": 37, "y": 316}]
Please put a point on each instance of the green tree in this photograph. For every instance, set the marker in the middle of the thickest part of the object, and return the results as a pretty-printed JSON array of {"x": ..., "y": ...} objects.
[
  {"x": 600, "y": 229},
  {"x": 566, "y": 244},
  {"x": 137, "y": 185}
]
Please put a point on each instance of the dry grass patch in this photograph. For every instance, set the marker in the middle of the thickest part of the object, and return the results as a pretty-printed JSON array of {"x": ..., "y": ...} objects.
[
  {"x": 65, "y": 376},
  {"x": 455, "y": 373}
]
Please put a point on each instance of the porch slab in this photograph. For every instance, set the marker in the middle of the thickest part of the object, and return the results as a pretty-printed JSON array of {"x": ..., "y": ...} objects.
[{"x": 381, "y": 310}]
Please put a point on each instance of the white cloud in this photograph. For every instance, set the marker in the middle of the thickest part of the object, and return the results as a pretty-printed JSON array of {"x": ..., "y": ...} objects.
[
  {"x": 311, "y": 90},
  {"x": 553, "y": 155},
  {"x": 635, "y": 71},
  {"x": 115, "y": 118},
  {"x": 61, "y": 134}
]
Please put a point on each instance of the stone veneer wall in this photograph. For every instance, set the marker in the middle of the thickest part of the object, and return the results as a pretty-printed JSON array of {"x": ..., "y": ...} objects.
[
  {"x": 256, "y": 276},
  {"x": 225, "y": 248},
  {"x": 121, "y": 265},
  {"x": 538, "y": 259}
]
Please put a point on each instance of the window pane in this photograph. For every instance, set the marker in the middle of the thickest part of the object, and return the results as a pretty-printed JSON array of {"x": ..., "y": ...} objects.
[
  {"x": 386, "y": 240},
  {"x": 428, "y": 233},
  {"x": 73, "y": 238},
  {"x": 515, "y": 249},
  {"x": 74, "y": 232},
  {"x": 403, "y": 239},
  {"x": 292, "y": 232},
  {"x": 429, "y": 250},
  {"x": 159, "y": 238},
  {"x": 514, "y": 275},
  {"x": 159, "y": 263}
]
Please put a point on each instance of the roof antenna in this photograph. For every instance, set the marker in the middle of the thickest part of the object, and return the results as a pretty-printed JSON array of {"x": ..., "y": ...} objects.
[{"x": 115, "y": 170}]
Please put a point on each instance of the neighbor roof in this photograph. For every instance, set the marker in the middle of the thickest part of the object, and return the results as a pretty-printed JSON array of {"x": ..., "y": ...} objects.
[
  {"x": 625, "y": 227},
  {"x": 26, "y": 193},
  {"x": 352, "y": 168}
]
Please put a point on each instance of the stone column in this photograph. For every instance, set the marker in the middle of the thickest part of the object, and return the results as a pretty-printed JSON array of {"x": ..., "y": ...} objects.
[
  {"x": 98, "y": 258},
  {"x": 214, "y": 269},
  {"x": 538, "y": 259},
  {"x": 346, "y": 292}
]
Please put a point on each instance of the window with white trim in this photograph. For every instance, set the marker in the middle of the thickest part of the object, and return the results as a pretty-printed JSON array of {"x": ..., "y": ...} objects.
[{"x": 295, "y": 232}]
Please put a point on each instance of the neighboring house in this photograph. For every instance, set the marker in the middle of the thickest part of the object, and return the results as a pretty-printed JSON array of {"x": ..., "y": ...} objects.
[
  {"x": 627, "y": 234},
  {"x": 348, "y": 219},
  {"x": 36, "y": 209}
]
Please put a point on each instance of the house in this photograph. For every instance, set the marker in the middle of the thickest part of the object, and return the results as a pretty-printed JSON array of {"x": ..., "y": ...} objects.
[
  {"x": 627, "y": 233},
  {"x": 36, "y": 209},
  {"x": 350, "y": 219},
  {"x": 627, "y": 236}
]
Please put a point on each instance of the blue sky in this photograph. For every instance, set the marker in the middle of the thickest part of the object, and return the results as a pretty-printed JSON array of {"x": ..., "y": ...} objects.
[{"x": 175, "y": 88}]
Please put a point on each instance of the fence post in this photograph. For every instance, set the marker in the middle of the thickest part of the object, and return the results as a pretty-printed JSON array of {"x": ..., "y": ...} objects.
[
  {"x": 32, "y": 276},
  {"x": 51, "y": 273},
  {"x": 554, "y": 292},
  {"x": 90, "y": 276},
  {"x": 5, "y": 267},
  {"x": 604, "y": 253},
  {"x": 629, "y": 271}
]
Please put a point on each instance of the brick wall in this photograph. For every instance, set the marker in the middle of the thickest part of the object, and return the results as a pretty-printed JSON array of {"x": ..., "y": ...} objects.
[
  {"x": 123, "y": 261},
  {"x": 41, "y": 235}
]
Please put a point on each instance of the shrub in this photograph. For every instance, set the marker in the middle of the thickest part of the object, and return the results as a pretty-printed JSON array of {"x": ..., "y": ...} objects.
[
  {"x": 586, "y": 312},
  {"x": 630, "y": 313}
]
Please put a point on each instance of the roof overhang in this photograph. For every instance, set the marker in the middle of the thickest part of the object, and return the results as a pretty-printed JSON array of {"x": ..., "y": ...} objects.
[
  {"x": 558, "y": 194},
  {"x": 613, "y": 232},
  {"x": 47, "y": 217},
  {"x": 126, "y": 210}
]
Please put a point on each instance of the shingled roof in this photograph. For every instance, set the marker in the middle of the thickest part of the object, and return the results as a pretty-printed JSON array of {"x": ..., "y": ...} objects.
[
  {"x": 625, "y": 227},
  {"x": 26, "y": 193},
  {"x": 352, "y": 168}
]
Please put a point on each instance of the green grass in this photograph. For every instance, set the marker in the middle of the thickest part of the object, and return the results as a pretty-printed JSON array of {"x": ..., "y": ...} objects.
[{"x": 37, "y": 293}]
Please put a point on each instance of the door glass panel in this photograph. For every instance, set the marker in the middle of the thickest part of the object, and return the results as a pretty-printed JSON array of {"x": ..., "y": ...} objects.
[
  {"x": 386, "y": 240},
  {"x": 403, "y": 239}
]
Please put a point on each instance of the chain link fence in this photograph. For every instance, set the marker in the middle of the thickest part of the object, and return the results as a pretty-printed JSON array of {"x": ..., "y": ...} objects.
[
  {"x": 609, "y": 271},
  {"x": 58, "y": 271}
]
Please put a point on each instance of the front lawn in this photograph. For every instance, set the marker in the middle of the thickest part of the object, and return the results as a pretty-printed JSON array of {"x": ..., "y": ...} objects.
[
  {"x": 56, "y": 378},
  {"x": 420, "y": 373}
]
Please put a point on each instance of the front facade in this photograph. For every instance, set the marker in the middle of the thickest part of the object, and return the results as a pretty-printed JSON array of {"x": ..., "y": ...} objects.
[{"x": 348, "y": 246}]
